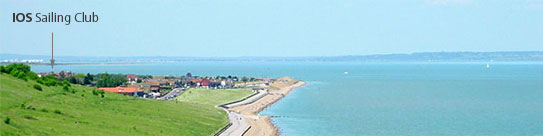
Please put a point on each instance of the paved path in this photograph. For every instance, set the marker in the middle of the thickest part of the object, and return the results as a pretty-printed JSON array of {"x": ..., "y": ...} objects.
[
  {"x": 249, "y": 100},
  {"x": 239, "y": 124},
  {"x": 238, "y": 127}
]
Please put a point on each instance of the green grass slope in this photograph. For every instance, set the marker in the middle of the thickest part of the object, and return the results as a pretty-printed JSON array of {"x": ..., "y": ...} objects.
[
  {"x": 212, "y": 97},
  {"x": 57, "y": 112}
]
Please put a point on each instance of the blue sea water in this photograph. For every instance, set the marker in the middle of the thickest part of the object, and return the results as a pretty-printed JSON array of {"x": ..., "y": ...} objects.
[{"x": 384, "y": 98}]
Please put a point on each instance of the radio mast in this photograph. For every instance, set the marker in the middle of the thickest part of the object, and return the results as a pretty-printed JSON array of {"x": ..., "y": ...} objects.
[{"x": 52, "y": 59}]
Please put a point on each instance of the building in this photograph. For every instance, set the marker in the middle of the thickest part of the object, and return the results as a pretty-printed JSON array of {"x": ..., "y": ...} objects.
[
  {"x": 131, "y": 78},
  {"x": 130, "y": 91},
  {"x": 205, "y": 82},
  {"x": 154, "y": 86}
]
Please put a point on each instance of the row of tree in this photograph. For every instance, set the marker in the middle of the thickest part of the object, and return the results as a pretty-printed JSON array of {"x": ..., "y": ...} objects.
[
  {"x": 98, "y": 80},
  {"x": 22, "y": 71}
]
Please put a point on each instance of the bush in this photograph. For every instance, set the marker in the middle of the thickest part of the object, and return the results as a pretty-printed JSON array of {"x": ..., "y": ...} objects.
[
  {"x": 38, "y": 87},
  {"x": 16, "y": 67},
  {"x": 44, "y": 110},
  {"x": 30, "y": 107},
  {"x": 21, "y": 71},
  {"x": 14, "y": 73},
  {"x": 58, "y": 112},
  {"x": 49, "y": 80},
  {"x": 7, "y": 120},
  {"x": 66, "y": 83},
  {"x": 39, "y": 80},
  {"x": 50, "y": 83},
  {"x": 65, "y": 88},
  {"x": 29, "y": 117},
  {"x": 98, "y": 92},
  {"x": 32, "y": 75}
]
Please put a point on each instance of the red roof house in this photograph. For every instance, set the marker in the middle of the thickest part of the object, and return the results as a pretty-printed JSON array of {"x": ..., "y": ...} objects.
[
  {"x": 205, "y": 82},
  {"x": 122, "y": 90}
]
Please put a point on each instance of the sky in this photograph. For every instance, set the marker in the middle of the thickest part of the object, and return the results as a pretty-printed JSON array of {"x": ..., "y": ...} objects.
[{"x": 232, "y": 28}]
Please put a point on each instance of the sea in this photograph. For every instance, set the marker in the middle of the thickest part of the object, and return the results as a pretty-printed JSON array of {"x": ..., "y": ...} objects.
[{"x": 383, "y": 98}]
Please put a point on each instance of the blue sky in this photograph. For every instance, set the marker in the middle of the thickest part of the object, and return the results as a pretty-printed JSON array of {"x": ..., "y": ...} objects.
[{"x": 275, "y": 27}]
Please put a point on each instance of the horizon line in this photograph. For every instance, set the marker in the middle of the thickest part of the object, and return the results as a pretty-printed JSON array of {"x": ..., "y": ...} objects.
[{"x": 288, "y": 56}]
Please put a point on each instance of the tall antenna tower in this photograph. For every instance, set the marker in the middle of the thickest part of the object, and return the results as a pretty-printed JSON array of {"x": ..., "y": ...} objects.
[{"x": 52, "y": 59}]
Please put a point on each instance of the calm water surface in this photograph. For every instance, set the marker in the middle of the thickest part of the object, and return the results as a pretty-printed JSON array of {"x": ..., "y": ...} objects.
[{"x": 385, "y": 98}]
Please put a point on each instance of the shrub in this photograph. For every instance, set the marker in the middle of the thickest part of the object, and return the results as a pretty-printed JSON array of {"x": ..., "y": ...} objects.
[
  {"x": 66, "y": 83},
  {"x": 29, "y": 117},
  {"x": 16, "y": 67},
  {"x": 7, "y": 120},
  {"x": 32, "y": 75},
  {"x": 40, "y": 81},
  {"x": 58, "y": 112},
  {"x": 38, "y": 87},
  {"x": 50, "y": 83},
  {"x": 44, "y": 110},
  {"x": 21, "y": 75},
  {"x": 65, "y": 88}
]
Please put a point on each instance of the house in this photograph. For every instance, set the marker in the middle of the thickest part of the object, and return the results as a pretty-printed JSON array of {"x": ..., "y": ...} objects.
[
  {"x": 195, "y": 82},
  {"x": 158, "y": 78},
  {"x": 130, "y": 91},
  {"x": 154, "y": 86},
  {"x": 205, "y": 82},
  {"x": 131, "y": 78}
]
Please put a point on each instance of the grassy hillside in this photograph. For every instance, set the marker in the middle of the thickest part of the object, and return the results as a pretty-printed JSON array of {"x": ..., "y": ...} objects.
[{"x": 54, "y": 111}]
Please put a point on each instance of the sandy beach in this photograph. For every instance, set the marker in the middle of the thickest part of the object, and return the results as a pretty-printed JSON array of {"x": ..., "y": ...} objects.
[{"x": 261, "y": 125}]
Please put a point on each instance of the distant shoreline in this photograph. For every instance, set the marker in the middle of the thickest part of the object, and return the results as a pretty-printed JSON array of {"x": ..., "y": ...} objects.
[{"x": 497, "y": 56}]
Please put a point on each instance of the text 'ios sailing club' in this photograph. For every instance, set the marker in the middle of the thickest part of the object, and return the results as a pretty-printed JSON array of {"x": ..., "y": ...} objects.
[{"x": 55, "y": 18}]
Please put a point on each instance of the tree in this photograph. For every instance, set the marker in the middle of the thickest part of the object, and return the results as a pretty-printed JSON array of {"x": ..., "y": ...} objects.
[
  {"x": 107, "y": 80},
  {"x": 244, "y": 79},
  {"x": 72, "y": 80},
  {"x": 88, "y": 79}
]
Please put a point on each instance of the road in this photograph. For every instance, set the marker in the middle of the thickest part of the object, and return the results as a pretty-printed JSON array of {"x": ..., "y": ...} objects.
[{"x": 172, "y": 94}]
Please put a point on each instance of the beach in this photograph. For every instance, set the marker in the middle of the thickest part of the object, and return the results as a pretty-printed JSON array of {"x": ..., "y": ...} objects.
[{"x": 261, "y": 125}]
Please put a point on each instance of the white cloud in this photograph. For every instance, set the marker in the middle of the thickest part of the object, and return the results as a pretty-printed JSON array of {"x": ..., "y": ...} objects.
[{"x": 447, "y": 2}]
